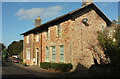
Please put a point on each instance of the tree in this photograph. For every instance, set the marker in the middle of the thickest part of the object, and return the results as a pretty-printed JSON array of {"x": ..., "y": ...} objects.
[
  {"x": 111, "y": 46},
  {"x": 15, "y": 47},
  {"x": 2, "y": 46}
]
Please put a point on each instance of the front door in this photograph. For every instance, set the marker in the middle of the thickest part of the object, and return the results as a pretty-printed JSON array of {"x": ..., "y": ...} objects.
[{"x": 37, "y": 56}]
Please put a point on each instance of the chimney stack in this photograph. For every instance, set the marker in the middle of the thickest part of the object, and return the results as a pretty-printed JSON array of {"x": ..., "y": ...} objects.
[
  {"x": 86, "y": 2},
  {"x": 37, "y": 22}
]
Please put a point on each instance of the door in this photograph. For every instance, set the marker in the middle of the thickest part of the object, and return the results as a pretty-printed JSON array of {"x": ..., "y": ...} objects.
[{"x": 37, "y": 56}]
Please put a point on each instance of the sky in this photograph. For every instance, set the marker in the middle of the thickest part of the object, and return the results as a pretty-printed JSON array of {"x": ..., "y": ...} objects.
[{"x": 18, "y": 17}]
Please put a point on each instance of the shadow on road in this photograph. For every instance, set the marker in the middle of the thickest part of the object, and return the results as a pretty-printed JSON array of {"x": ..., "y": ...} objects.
[{"x": 21, "y": 76}]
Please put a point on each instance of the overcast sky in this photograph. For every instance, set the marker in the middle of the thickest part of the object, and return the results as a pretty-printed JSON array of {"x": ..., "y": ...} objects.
[{"x": 18, "y": 17}]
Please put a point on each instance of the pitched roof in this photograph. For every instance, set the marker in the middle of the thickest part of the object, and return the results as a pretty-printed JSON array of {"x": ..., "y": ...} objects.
[{"x": 68, "y": 16}]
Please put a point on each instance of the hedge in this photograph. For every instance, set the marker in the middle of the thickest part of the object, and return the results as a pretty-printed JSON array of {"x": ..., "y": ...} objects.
[{"x": 57, "y": 66}]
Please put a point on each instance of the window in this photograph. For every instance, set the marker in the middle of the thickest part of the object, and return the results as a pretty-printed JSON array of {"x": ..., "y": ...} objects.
[
  {"x": 58, "y": 30},
  {"x": 27, "y": 39},
  {"x": 37, "y": 37},
  {"x": 102, "y": 28},
  {"x": 47, "y": 35},
  {"x": 28, "y": 54},
  {"x": 47, "y": 54},
  {"x": 61, "y": 53},
  {"x": 53, "y": 53}
]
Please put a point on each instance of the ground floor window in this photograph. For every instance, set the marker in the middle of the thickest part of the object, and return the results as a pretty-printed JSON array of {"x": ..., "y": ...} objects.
[
  {"x": 61, "y": 53},
  {"x": 53, "y": 53},
  {"x": 28, "y": 54},
  {"x": 47, "y": 54}
]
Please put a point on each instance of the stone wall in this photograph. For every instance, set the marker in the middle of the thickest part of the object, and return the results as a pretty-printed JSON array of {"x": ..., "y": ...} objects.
[
  {"x": 84, "y": 38},
  {"x": 79, "y": 41}
]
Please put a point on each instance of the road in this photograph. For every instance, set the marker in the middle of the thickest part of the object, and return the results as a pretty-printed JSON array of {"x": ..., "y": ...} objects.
[{"x": 11, "y": 70}]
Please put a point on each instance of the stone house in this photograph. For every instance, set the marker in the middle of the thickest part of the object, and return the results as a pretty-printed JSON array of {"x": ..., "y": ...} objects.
[{"x": 70, "y": 38}]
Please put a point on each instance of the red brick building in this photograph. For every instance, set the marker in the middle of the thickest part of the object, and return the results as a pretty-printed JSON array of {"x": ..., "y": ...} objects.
[{"x": 70, "y": 38}]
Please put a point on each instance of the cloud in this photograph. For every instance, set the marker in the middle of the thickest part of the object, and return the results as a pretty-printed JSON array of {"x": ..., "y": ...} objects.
[{"x": 49, "y": 12}]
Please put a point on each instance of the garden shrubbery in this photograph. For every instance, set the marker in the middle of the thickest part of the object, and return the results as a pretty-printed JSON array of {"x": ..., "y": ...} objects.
[
  {"x": 56, "y": 66},
  {"x": 111, "y": 48}
]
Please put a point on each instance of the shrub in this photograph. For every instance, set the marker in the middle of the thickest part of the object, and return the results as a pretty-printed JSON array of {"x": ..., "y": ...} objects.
[
  {"x": 21, "y": 59},
  {"x": 24, "y": 64},
  {"x": 20, "y": 62},
  {"x": 57, "y": 66}
]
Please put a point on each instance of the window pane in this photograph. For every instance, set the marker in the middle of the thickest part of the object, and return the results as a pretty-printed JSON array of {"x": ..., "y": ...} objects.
[
  {"x": 102, "y": 27},
  {"x": 53, "y": 53},
  {"x": 58, "y": 30},
  {"x": 37, "y": 37},
  {"x": 27, "y": 39},
  {"x": 28, "y": 54},
  {"x": 47, "y": 34},
  {"x": 61, "y": 53},
  {"x": 47, "y": 54}
]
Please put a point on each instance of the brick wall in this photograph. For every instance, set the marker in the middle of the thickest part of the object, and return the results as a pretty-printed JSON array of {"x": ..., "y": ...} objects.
[
  {"x": 76, "y": 38},
  {"x": 28, "y": 46}
]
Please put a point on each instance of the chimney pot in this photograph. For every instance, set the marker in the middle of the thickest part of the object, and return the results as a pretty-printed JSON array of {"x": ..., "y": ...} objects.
[
  {"x": 86, "y": 2},
  {"x": 37, "y": 22}
]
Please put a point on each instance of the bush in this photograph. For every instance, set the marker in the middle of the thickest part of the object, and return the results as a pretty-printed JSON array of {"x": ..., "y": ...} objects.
[
  {"x": 21, "y": 59},
  {"x": 24, "y": 64},
  {"x": 20, "y": 62},
  {"x": 57, "y": 66}
]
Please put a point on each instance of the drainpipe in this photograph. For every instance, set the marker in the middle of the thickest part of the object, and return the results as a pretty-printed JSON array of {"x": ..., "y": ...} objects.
[{"x": 41, "y": 46}]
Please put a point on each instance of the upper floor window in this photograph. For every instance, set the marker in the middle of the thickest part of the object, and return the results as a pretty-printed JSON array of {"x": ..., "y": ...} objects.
[
  {"x": 58, "y": 30},
  {"x": 102, "y": 28},
  {"x": 27, "y": 39},
  {"x": 47, "y": 35},
  {"x": 37, "y": 37}
]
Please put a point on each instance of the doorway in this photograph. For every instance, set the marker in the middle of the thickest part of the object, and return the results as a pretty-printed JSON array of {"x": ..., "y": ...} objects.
[{"x": 37, "y": 56}]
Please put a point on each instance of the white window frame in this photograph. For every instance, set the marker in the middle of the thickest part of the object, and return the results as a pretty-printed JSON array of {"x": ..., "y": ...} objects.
[
  {"x": 47, "y": 54},
  {"x": 37, "y": 51},
  {"x": 61, "y": 54},
  {"x": 27, "y": 39},
  {"x": 47, "y": 34},
  {"x": 37, "y": 37},
  {"x": 28, "y": 54},
  {"x": 53, "y": 53},
  {"x": 102, "y": 28},
  {"x": 58, "y": 30}
]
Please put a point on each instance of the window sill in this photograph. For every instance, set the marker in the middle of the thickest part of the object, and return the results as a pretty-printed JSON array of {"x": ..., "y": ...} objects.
[
  {"x": 61, "y": 62},
  {"x": 52, "y": 61},
  {"x": 58, "y": 36}
]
